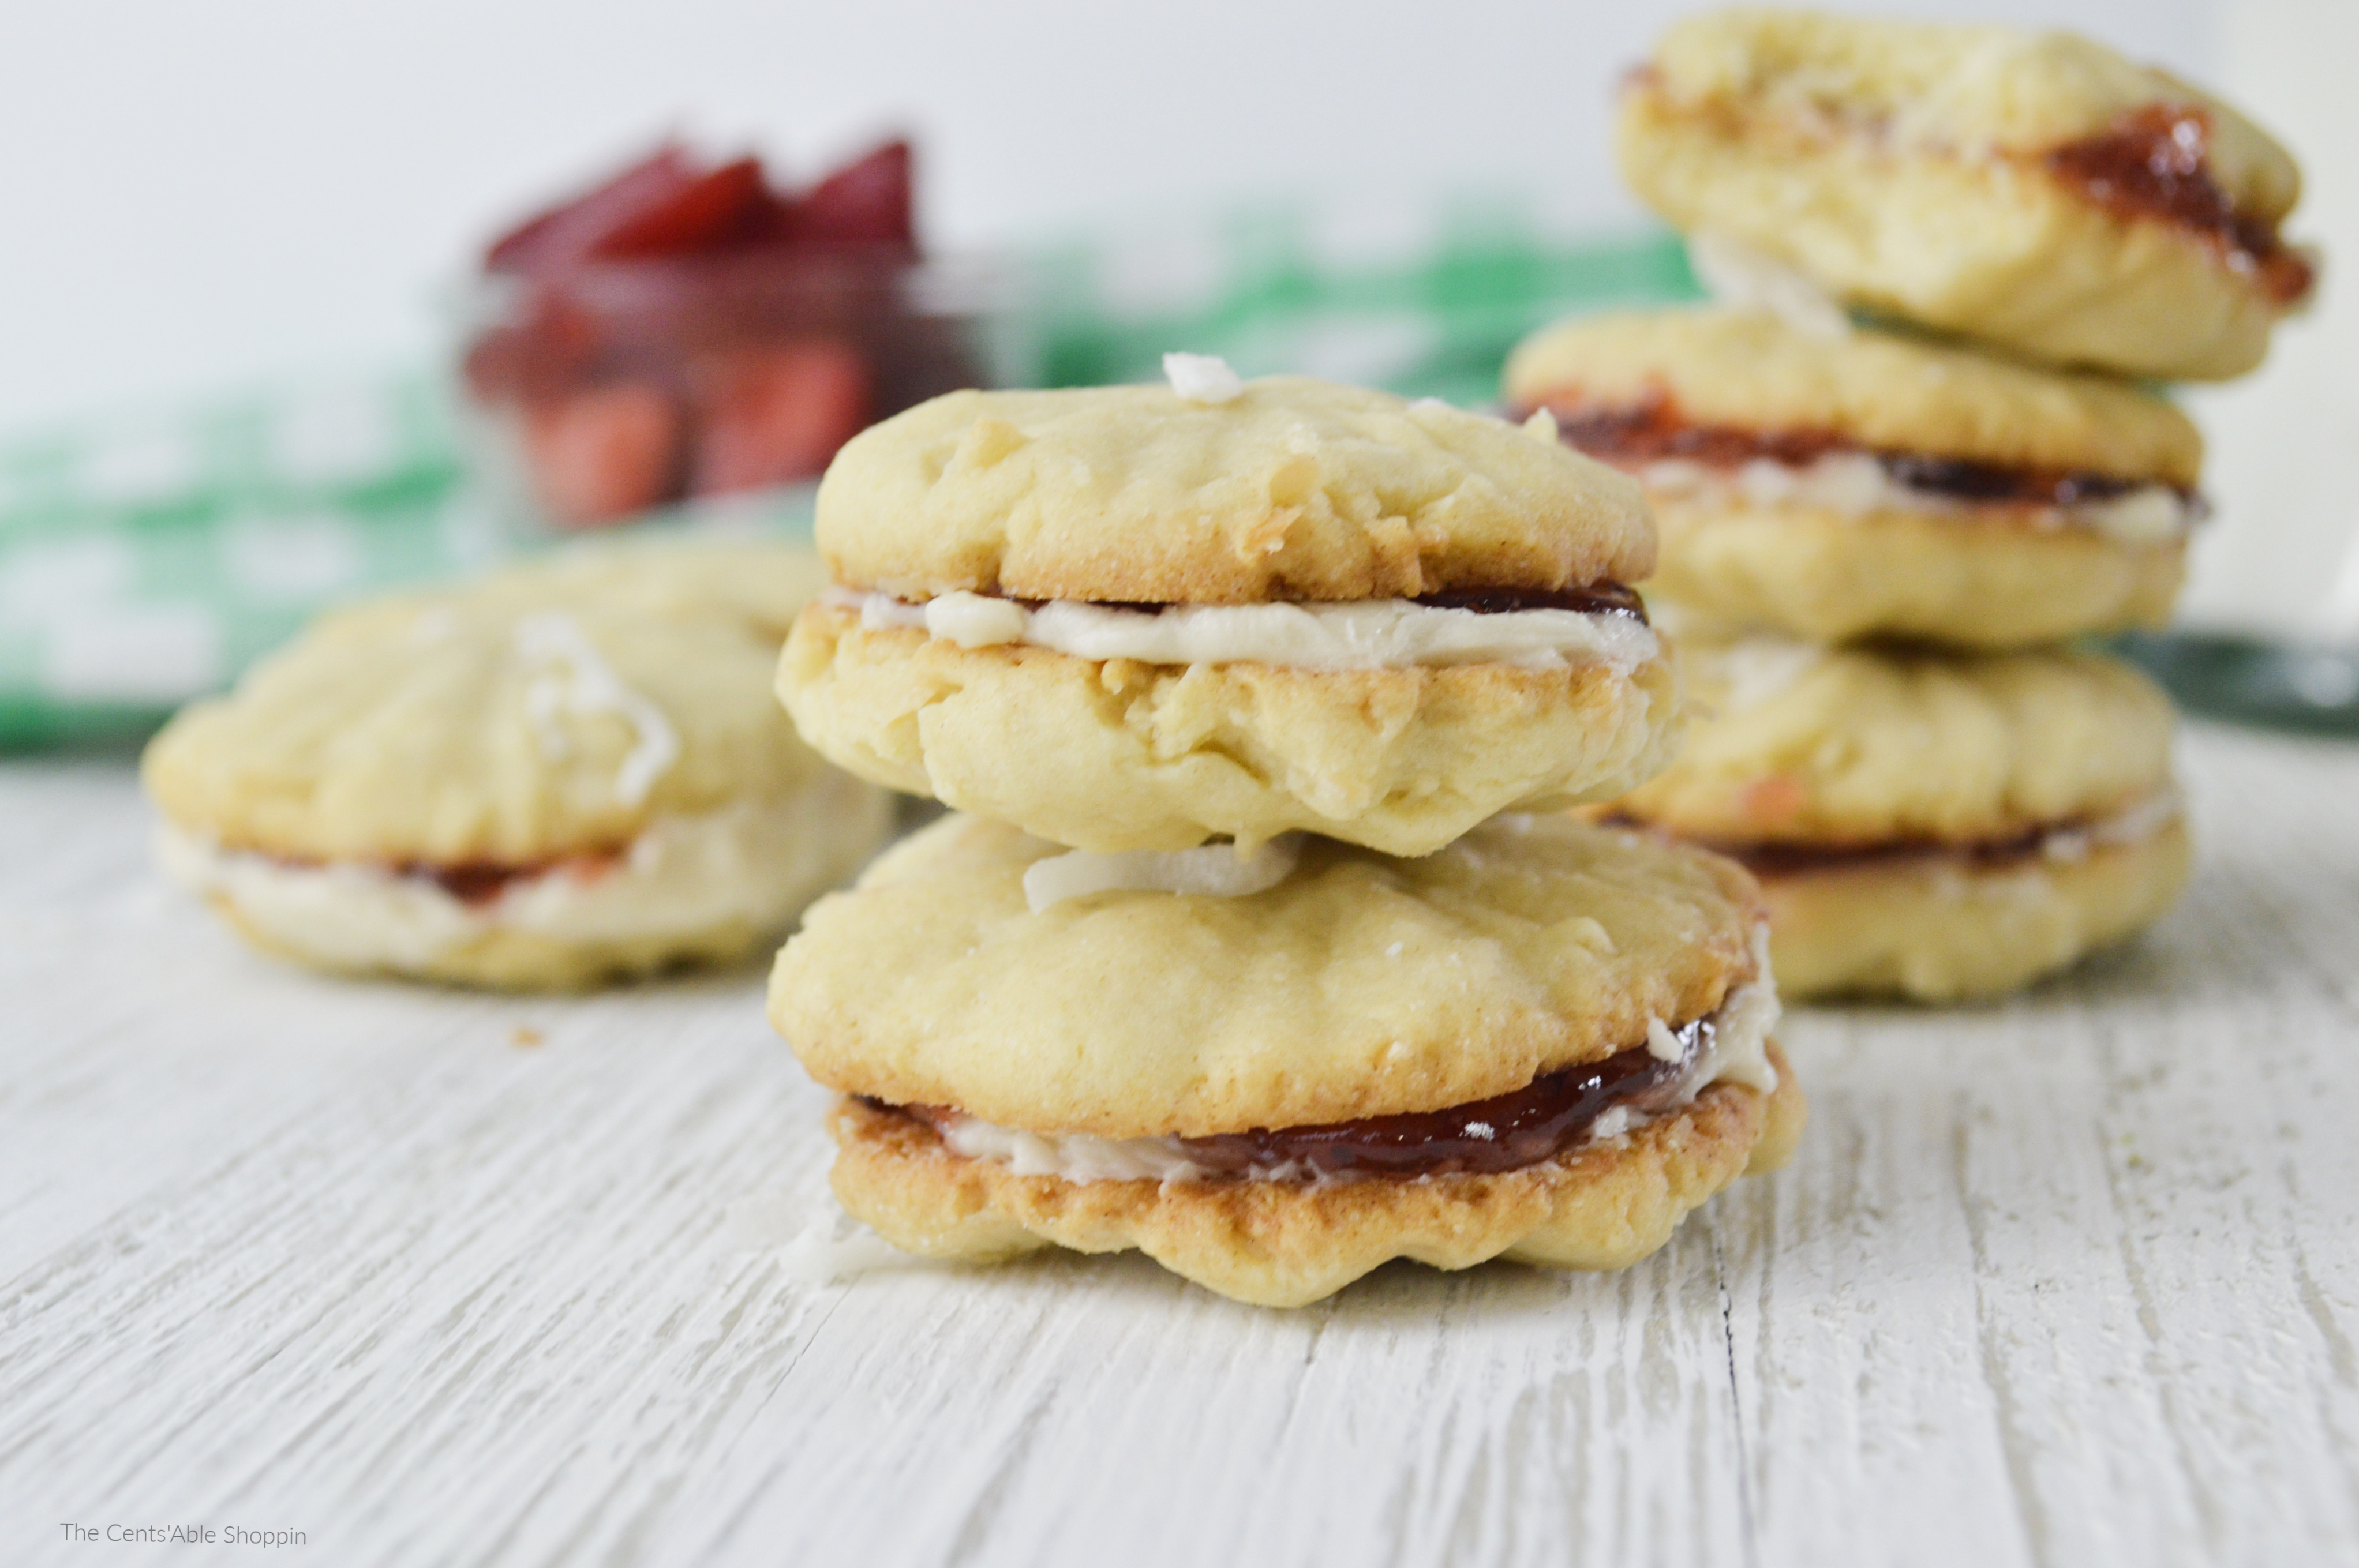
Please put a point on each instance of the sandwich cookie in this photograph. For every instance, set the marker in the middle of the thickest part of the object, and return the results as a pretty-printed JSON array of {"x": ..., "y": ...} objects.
[
  {"x": 1927, "y": 827},
  {"x": 1834, "y": 487},
  {"x": 2032, "y": 190},
  {"x": 567, "y": 772},
  {"x": 1139, "y": 618},
  {"x": 1547, "y": 1041}
]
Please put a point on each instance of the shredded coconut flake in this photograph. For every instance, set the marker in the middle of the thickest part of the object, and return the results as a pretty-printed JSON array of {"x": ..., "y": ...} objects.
[
  {"x": 2141, "y": 821},
  {"x": 1661, "y": 1043},
  {"x": 975, "y": 619},
  {"x": 1211, "y": 870},
  {"x": 1758, "y": 669},
  {"x": 582, "y": 683},
  {"x": 1202, "y": 378},
  {"x": 1611, "y": 1122},
  {"x": 2135, "y": 824},
  {"x": 1736, "y": 275}
]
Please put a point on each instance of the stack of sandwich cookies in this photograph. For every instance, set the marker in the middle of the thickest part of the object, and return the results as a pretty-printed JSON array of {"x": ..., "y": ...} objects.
[
  {"x": 1202, "y": 661},
  {"x": 1939, "y": 800},
  {"x": 565, "y": 772}
]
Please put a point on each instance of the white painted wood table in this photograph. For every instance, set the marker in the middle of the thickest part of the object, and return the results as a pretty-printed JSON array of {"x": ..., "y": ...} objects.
[{"x": 2073, "y": 1281}]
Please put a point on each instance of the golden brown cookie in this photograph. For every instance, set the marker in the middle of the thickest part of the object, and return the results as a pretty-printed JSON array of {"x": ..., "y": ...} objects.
[
  {"x": 1732, "y": 378},
  {"x": 1929, "y": 826},
  {"x": 1127, "y": 620},
  {"x": 1548, "y": 1037},
  {"x": 564, "y": 772},
  {"x": 1795, "y": 743},
  {"x": 1871, "y": 483},
  {"x": 1605, "y": 1206},
  {"x": 1290, "y": 489},
  {"x": 1934, "y": 926},
  {"x": 2032, "y": 190}
]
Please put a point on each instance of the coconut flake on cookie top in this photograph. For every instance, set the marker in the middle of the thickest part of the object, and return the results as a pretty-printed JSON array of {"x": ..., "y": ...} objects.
[{"x": 1202, "y": 378}]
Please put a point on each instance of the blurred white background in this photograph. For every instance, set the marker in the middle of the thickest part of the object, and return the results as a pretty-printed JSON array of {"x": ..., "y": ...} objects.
[{"x": 202, "y": 197}]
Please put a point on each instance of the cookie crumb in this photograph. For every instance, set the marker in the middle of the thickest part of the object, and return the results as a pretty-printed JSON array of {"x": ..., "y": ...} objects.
[{"x": 525, "y": 1038}]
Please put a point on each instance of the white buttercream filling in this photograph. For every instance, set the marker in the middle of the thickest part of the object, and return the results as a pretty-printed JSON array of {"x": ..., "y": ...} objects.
[
  {"x": 2132, "y": 824},
  {"x": 1209, "y": 871},
  {"x": 682, "y": 876},
  {"x": 1361, "y": 635},
  {"x": 1739, "y": 1055},
  {"x": 1854, "y": 484}
]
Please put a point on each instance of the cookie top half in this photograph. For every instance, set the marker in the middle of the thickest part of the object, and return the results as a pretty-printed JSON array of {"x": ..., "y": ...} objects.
[
  {"x": 1966, "y": 88},
  {"x": 1358, "y": 986},
  {"x": 1662, "y": 377},
  {"x": 1287, "y": 489},
  {"x": 543, "y": 711}
]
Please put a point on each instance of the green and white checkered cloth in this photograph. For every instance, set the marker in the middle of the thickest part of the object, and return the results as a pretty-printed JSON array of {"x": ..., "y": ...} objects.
[{"x": 143, "y": 564}]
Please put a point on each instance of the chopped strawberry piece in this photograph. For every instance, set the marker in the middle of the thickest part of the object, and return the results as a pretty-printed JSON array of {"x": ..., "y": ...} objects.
[
  {"x": 493, "y": 365},
  {"x": 714, "y": 210},
  {"x": 571, "y": 231},
  {"x": 552, "y": 344},
  {"x": 867, "y": 202},
  {"x": 603, "y": 453},
  {"x": 773, "y": 415}
]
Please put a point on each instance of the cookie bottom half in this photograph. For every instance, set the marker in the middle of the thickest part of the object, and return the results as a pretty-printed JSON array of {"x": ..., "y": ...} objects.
[
  {"x": 1114, "y": 754},
  {"x": 1967, "y": 583},
  {"x": 689, "y": 892},
  {"x": 1605, "y": 1205},
  {"x": 1941, "y": 928},
  {"x": 519, "y": 960}
]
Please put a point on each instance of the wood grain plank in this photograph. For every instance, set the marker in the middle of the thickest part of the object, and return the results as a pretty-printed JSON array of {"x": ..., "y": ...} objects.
[
  {"x": 2067, "y": 1281},
  {"x": 2059, "y": 1246}
]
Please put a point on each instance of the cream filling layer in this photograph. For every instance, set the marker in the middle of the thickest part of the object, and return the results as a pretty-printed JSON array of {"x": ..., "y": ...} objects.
[
  {"x": 1739, "y": 1055},
  {"x": 757, "y": 863},
  {"x": 2132, "y": 824},
  {"x": 2135, "y": 823},
  {"x": 1366, "y": 634},
  {"x": 1853, "y": 484}
]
